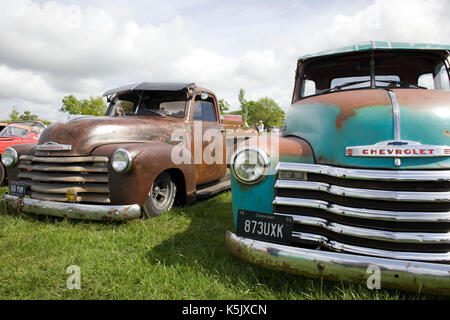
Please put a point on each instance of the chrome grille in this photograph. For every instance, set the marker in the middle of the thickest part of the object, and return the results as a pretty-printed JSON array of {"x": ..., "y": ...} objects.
[
  {"x": 49, "y": 178},
  {"x": 395, "y": 214}
]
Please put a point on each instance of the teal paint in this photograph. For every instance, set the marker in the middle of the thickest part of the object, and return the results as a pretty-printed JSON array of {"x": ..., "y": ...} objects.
[
  {"x": 381, "y": 45},
  {"x": 258, "y": 197},
  {"x": 316, "y": 123}
]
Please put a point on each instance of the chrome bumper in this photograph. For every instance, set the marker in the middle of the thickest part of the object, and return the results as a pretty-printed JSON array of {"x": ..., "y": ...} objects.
[
  {"x": 399, "y": 274},
  {"x": 72, "y": 210}
]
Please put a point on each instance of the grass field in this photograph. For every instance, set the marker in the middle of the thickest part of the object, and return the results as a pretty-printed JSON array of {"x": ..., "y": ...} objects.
[{"x": 180, "y": 255}]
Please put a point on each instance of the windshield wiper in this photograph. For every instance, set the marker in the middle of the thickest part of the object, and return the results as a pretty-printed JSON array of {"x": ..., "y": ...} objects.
[
  {"x": 402, "y": 84},
  {"x": 339, "y": 87},
  {"x": 157, "y": 112}
]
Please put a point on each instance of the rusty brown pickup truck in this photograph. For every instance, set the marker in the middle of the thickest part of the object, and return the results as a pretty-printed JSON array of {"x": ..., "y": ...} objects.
[{"x": 158, "y": 143}]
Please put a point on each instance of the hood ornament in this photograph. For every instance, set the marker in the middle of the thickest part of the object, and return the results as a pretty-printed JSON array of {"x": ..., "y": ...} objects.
[{"x": 54, "y": 146}]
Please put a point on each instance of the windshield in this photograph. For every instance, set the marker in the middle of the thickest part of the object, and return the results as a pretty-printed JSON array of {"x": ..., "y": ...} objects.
[
  {"x": 148, "y": 103},
  {"x": 29, "y": 130},
  {"x": 392, "y": 69}
]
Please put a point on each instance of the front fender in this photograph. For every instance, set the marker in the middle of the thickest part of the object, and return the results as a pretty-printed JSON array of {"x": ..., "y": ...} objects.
[
  {"x": 22, "y": 149},
  {"x": 149, "y": 160},
  {"x": 259, "y": 197}
]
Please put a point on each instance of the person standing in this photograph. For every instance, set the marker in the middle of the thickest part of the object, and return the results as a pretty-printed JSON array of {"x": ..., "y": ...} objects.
[{"x": 260, "y": 127}]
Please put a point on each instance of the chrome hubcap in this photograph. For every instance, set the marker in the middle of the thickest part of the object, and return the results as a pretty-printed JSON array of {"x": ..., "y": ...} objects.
[{"x": 160, "y": 192}]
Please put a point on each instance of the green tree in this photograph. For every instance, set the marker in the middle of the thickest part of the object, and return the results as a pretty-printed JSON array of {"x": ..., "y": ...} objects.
[
  {"x": 223, "y": 106},
  {"x": 244, "y": 105},
  {"x": 15, "y": 115},
  {"x": 27, "y": 115},
  {"x": 267, "y": 110},
  {"x": 93, "y": 106}
]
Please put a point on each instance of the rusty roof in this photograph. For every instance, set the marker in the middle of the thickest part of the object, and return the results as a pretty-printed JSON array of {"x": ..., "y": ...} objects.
[{"x": 151, "y": 86}]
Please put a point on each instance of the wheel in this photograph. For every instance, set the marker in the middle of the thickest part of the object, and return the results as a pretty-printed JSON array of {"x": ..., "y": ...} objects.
[
  {"x": 2, "y": 175},
  {"x": 161, "y": 196}
]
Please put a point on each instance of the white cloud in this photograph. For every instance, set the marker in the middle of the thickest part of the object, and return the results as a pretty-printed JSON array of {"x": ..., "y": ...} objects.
[
  {"x": 49, "y": 49},
  {"x": 399, "y": 20},
  {"x": 26, "y": 85}
]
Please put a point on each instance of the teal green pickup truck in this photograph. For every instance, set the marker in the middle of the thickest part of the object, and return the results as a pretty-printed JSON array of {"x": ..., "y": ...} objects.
[{"x": 359, "y": 179}]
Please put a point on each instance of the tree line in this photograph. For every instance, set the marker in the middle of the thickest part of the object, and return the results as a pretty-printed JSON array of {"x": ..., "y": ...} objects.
[{"x": 264, "y": 109}]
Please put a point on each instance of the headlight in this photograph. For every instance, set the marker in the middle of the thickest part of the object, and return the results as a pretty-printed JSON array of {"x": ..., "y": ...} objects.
[
  {"x": 121, "y": 161},
  {"x": 9, "y": 157},
  {"x": 250, "y": 165}
]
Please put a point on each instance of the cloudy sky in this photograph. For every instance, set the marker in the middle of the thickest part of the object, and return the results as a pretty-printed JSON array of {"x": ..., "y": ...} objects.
[{"x": 49, "y": 49}]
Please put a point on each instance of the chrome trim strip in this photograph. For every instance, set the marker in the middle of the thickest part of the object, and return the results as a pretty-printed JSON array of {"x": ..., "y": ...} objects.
[
  {"x": 365, "y": 213},
  {"x": 334, "y": 245},
  {"x": 397, "y": 128},
  {"x": 72, "y": 210},
  {"x": 403, "y": 274},
  {"x": 381, "y": 235},
  {"x": 387, "y": 195},
  {"x": 396, "y": 114},
  {"x": 363, "y": 174}
]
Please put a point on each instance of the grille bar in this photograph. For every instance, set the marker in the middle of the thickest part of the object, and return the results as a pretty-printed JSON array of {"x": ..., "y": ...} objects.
[
  {"x": 386, "y": 175},
  {"x": 62, "y": 188},
  {"x": 365, "y": 213},
  {"x": 64, "y": 177},
  {"x": 62, "y": 168},
  {"x": 338, "y": 246},
  {"x": 382, "y": 235},
  {"x": 64, "y": 159},
  {"x": 364, "y": 193}
]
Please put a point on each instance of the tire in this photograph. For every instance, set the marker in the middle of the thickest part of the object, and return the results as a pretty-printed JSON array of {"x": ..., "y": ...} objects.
[
  {"x": 161, "y": 196},
  {"x": 2, "y": 175}
]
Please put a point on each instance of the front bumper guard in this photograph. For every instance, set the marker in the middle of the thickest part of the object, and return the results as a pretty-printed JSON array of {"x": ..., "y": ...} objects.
[
  {"x": 72, "y": 210},
  {"x": 399, "y": 274}
]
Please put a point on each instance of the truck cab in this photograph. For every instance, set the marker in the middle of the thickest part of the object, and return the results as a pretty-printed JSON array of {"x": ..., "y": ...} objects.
[{"x": 157, "y": 143}]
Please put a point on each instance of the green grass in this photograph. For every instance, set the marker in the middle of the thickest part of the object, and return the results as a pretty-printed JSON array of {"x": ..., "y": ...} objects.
[{"x": 180, "y": 255}]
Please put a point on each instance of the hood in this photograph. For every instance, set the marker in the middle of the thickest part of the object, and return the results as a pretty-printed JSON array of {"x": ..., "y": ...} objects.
[
  {"x": 87, "y": 133},
  {"x": 334, "y": 121}
]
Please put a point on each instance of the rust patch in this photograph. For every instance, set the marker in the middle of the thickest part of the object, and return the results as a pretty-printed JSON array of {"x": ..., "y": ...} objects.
[
  {"x": 287, "y": 146},
  {"x": 422, "y": 99},
  {"x": 349, "y": 101}
]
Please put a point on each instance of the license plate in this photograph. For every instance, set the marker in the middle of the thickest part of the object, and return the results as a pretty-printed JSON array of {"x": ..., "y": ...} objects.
[
  {"x": 17, "y": 190},
  {"x": 262, "y": 226}
]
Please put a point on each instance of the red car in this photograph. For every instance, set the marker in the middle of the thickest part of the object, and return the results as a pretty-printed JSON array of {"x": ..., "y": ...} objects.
[{"x": 18, "y": 132}]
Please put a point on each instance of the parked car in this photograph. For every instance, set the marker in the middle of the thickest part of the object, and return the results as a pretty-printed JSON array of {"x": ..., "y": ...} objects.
[
  {"x": 3, "y": 125},
  {"x": 274, "y": 130},
  {"x": 361, "y": 179},
  {"x": 147, "y": 152},
  {"x": 18, "y": 132}
]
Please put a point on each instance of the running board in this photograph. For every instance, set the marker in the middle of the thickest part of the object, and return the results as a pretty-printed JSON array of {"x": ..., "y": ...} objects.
[{"x": 211, "y": 189}]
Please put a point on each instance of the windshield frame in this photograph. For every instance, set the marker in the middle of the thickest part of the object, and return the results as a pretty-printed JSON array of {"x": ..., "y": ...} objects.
[
  {"x": 302, "y": 66},
  {"x": 139, "y": 97}
]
